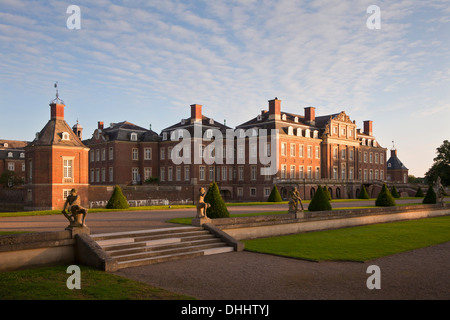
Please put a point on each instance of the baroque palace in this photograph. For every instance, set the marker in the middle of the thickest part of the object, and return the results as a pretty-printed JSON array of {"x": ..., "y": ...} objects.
[{"x": 304, "y": 151}]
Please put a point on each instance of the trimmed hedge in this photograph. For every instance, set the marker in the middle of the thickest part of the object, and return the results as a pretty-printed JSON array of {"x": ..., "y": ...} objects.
[
  {"x": 117, "y": 200},
  {"x": 385, "y": 198},
  {"x": 320, "y": 201},
  {"x": 430, "y": 197},
  {"x": 218, "y": 209},
  {"x": 275, "y": 195},
  {"x": 419, "y": 192},
  {"x": 363, "y": 194},
  {"x": 394, "y": 192}
]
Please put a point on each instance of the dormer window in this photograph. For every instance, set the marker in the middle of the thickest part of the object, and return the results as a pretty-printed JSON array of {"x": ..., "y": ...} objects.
[
  {"x": 22, "y": 155},
  {"x": 6, "y": 145},
  {"x": 209, "y": 134},
  {"x": 308, "y": 133},
  {"x": 290, "y": 131},
  {"x": 182, "y": 121},
  {"x": 133, "y": 136},
  {"x": 296, "y": 119},
  {"x": 258, "y": 117},
  {"x": 283, "y": 117},
  {"x": 299, "y": 132},
  {"x": 65, "y": 136},
  {"x": 211, "y": 121},
  {"x": 164, "y": 136},
  {"x": 10, "y": 154},
  {"x": 316, "y": 134}
]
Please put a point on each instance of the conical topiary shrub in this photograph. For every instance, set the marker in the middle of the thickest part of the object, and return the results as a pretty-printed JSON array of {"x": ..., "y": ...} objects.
[
  {"x": 363, "y": 194},
  {"x": 320, "y": 201},
  {"x": 275, "y": 195},
  {"x": 430, "y": 197},
  {"x": 218, "y": 209},
  {"x": 394, "y": 192},
  {"x": 419, "y": 193},
  {"x": 117, "y": 200},
  {"x": 385, "y": 198}
]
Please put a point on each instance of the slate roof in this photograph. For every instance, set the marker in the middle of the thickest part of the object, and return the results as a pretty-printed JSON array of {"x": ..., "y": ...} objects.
[
  {"x": 122, "y": 131},
  {"x": 51, "y": 135},
  {"x": 395, "y": 164},
  {"x": 12, "y": 144},
  {"x": 207, "y": 123}
]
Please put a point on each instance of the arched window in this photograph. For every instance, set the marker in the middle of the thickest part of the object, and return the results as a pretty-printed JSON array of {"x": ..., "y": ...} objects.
[
  {"x": 308, "y": 133},
  {"x": 133, "y": 136},
  {"x": 290, "y": 131},
  {"x": 283, "y": 117},
  {"x": 299, "y": 132},
  {"x": 296, "y": 119},
  {"x": 65, "y": 136}
]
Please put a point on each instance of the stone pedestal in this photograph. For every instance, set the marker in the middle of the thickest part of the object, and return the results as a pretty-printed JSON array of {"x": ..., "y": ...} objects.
[
  {"x": 198, "y": 222},
  {"x": 299, "y": 214},
  {"x": 78, "y": 230}
]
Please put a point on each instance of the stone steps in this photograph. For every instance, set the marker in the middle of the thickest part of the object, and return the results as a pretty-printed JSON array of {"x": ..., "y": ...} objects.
[{"x": 137, "y": 248}]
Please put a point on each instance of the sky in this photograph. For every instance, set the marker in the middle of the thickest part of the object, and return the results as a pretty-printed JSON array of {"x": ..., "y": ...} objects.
[{"x": 147, "y": 61}]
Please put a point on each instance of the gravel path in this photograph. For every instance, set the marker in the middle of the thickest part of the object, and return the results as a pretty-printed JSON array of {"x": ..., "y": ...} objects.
[{"x": 419, "y": 274}]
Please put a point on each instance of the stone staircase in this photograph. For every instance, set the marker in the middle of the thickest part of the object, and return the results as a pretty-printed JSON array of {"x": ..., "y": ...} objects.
[{"x": 136, "y": 248}]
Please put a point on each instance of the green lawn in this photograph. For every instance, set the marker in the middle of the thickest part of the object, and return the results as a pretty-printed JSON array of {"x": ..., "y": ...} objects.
[
  {"x": 50, "y": 284},
  {"x": 357, "y": 243}
]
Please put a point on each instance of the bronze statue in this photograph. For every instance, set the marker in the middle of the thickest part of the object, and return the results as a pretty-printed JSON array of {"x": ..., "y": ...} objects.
[
  {"x": 295, "y": 200},
  {"x": 439, "y": 190},
  {"x": 75, "y": 213},
  {"x": 201, "y": 204}
]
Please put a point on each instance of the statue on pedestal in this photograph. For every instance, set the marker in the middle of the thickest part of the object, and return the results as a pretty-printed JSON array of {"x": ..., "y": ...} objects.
[
  {"x": 439, "y": 190},
  {"x": 75, "y": 213},
  {"x": 294, "y": 201},
  {"x": 201, "y": 204}
]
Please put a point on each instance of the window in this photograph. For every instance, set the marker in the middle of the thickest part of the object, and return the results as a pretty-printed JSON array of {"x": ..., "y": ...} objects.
[
  {"x": 133, "y": 136},
  {"x": 23, "y": 167},
  {"x": 211, "y": 173},
  {"x": 335, "y": 153},
  {"x": 148, "y": 154},
  {"x": 317, "y": 152},
  {"x": 309, "y": 172},
  {"x": 283, "y": 171},
  {"x": 240, "y": 192},
  {"x": 376, "y": 174},
  {"x": 209, "y": 134},
  {"x": 230, "y": 173},
  {"x": 178, "y": 173},
  {"x": 10, "y": 154},
  {"x": 370, "y": 157},
  {"x": 147, "y": 173},
  {"x": 135, "y": 175},
  {"x": 111, "y": 174},
  {"x": 292, "y": 173},
  {"x": 317, "y": 173},
  {"x": 300, "y": 150},
  {"x": 365, "y": 157},
  {"x": 253, "y": 173},
  {"x": 241, "y": 151},
  {"x": 65, "y": 136},
  {"x": 97, "y": 175},
  {"x": 162, "y": 153},
  {"x": 30, "y": 168},
  {"x": 365, "y": 175},
  {"x": 351, "y": 154},
  {"x": 169, "y": 174},
  {"x": 111, "y": 153},
  {"x": 67, "y": 166},
  {"x": 169, "y": 153},
  {"x": 376, "y": 157},
  {"x": 370, "y": 175},
  {"x": 224, "y": 173},
  {"x": 29, "y": 195},
  {"x": 292, "y": 150},
  {"x": 241, "y": 173},
  {"x": 381, "y": 158},
  {"x": 66, "y": 193},
  {"x": 381, "y": 174},
  {"x": 343, "y": 154},
  {"x": 92, "y": 176},
  {"x": 283, "y": 149},
  {"x": 252, "y": 192},
  {"x": 97, "y": 155},
  {"x": 301, "y": 174},
  {"x": 164, "y": 136},
  {"x": 309, "y": 151},
  {"x": 91, "y": 155},
  {"x": 202, "y": 173},
  {"x": 266, "y": 192},
  {"x": 134, "y": 154},
  {"x": 162, "y": 173},
  {"x": 290, "y": 131},
  {"x": 22, "y": 155},
  {"x": 343, "y": 173},
  {"x": 103, "y": 154},
  {"x": 335, "y": 173},
  {"x": 200, "y": 150},
  {"x": 350, "y": 174},
  {"x": 186, "y": 173},
  {"x": 11, "y": 166},
  {"x": 103, "y": 174}
]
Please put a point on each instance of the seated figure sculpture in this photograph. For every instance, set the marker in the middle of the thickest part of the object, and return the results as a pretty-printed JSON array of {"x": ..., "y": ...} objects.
[
  {"x": 75, "y": 213},
  {"x": 294, "y": 201},
  {"x": 201, "y": 204}
]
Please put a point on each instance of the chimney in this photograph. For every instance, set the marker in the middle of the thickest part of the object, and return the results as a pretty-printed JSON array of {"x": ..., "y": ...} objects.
[
  {"x": 100, "y": 125},
  {"x": 368, "y": 127},
  {"x": 275, "y": 109},
  {"x": 196, "y": 113},
  {"x": 310, "y": 115},
  {"x": 394, "y": 153},
  {"x": 56, "y": 111}
]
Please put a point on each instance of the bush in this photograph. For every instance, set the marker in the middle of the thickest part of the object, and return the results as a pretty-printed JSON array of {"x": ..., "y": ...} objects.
[
  {"x": 419, "y": 193},
  {"x": 117, "y": 200},
  {"x": 275, "y": 195},
  {"x": 430, "y": 197},
  {"x": 363, "y": 194},
  {"x": 218, "y": 209},
  {"x": 320, "y": 201},
  {"x": 385, "y": 198},
  {"x": 394, "y": 192}
]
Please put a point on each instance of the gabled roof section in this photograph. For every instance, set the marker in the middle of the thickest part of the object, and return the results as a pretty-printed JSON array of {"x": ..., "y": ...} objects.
[
  {"x": 395, "y": 164},
  {"x": 123, "y": 131},
  {"x": 12, "y": 144},
  {"x": 57, "y": 133}
]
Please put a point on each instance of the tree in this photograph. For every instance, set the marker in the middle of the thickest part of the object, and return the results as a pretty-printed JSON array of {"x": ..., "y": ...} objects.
[
  {"x": 441, "y": 165},
  {"x": 10, "y": 179},
  {"x": 217, "y": 208},
  {"x": 327, "y": 192},
  {"x": 419, "y": 192},
  {"x": 117, "y": 200},
  {"x": 320, "y": 201},
  {"x": 363, "y": 194},
  {"x": 430, "y": 197},
  {"x": 394, "y": 192},
  {"x": 275, "y": 195},
  {"x": 385, "y": 198}
]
